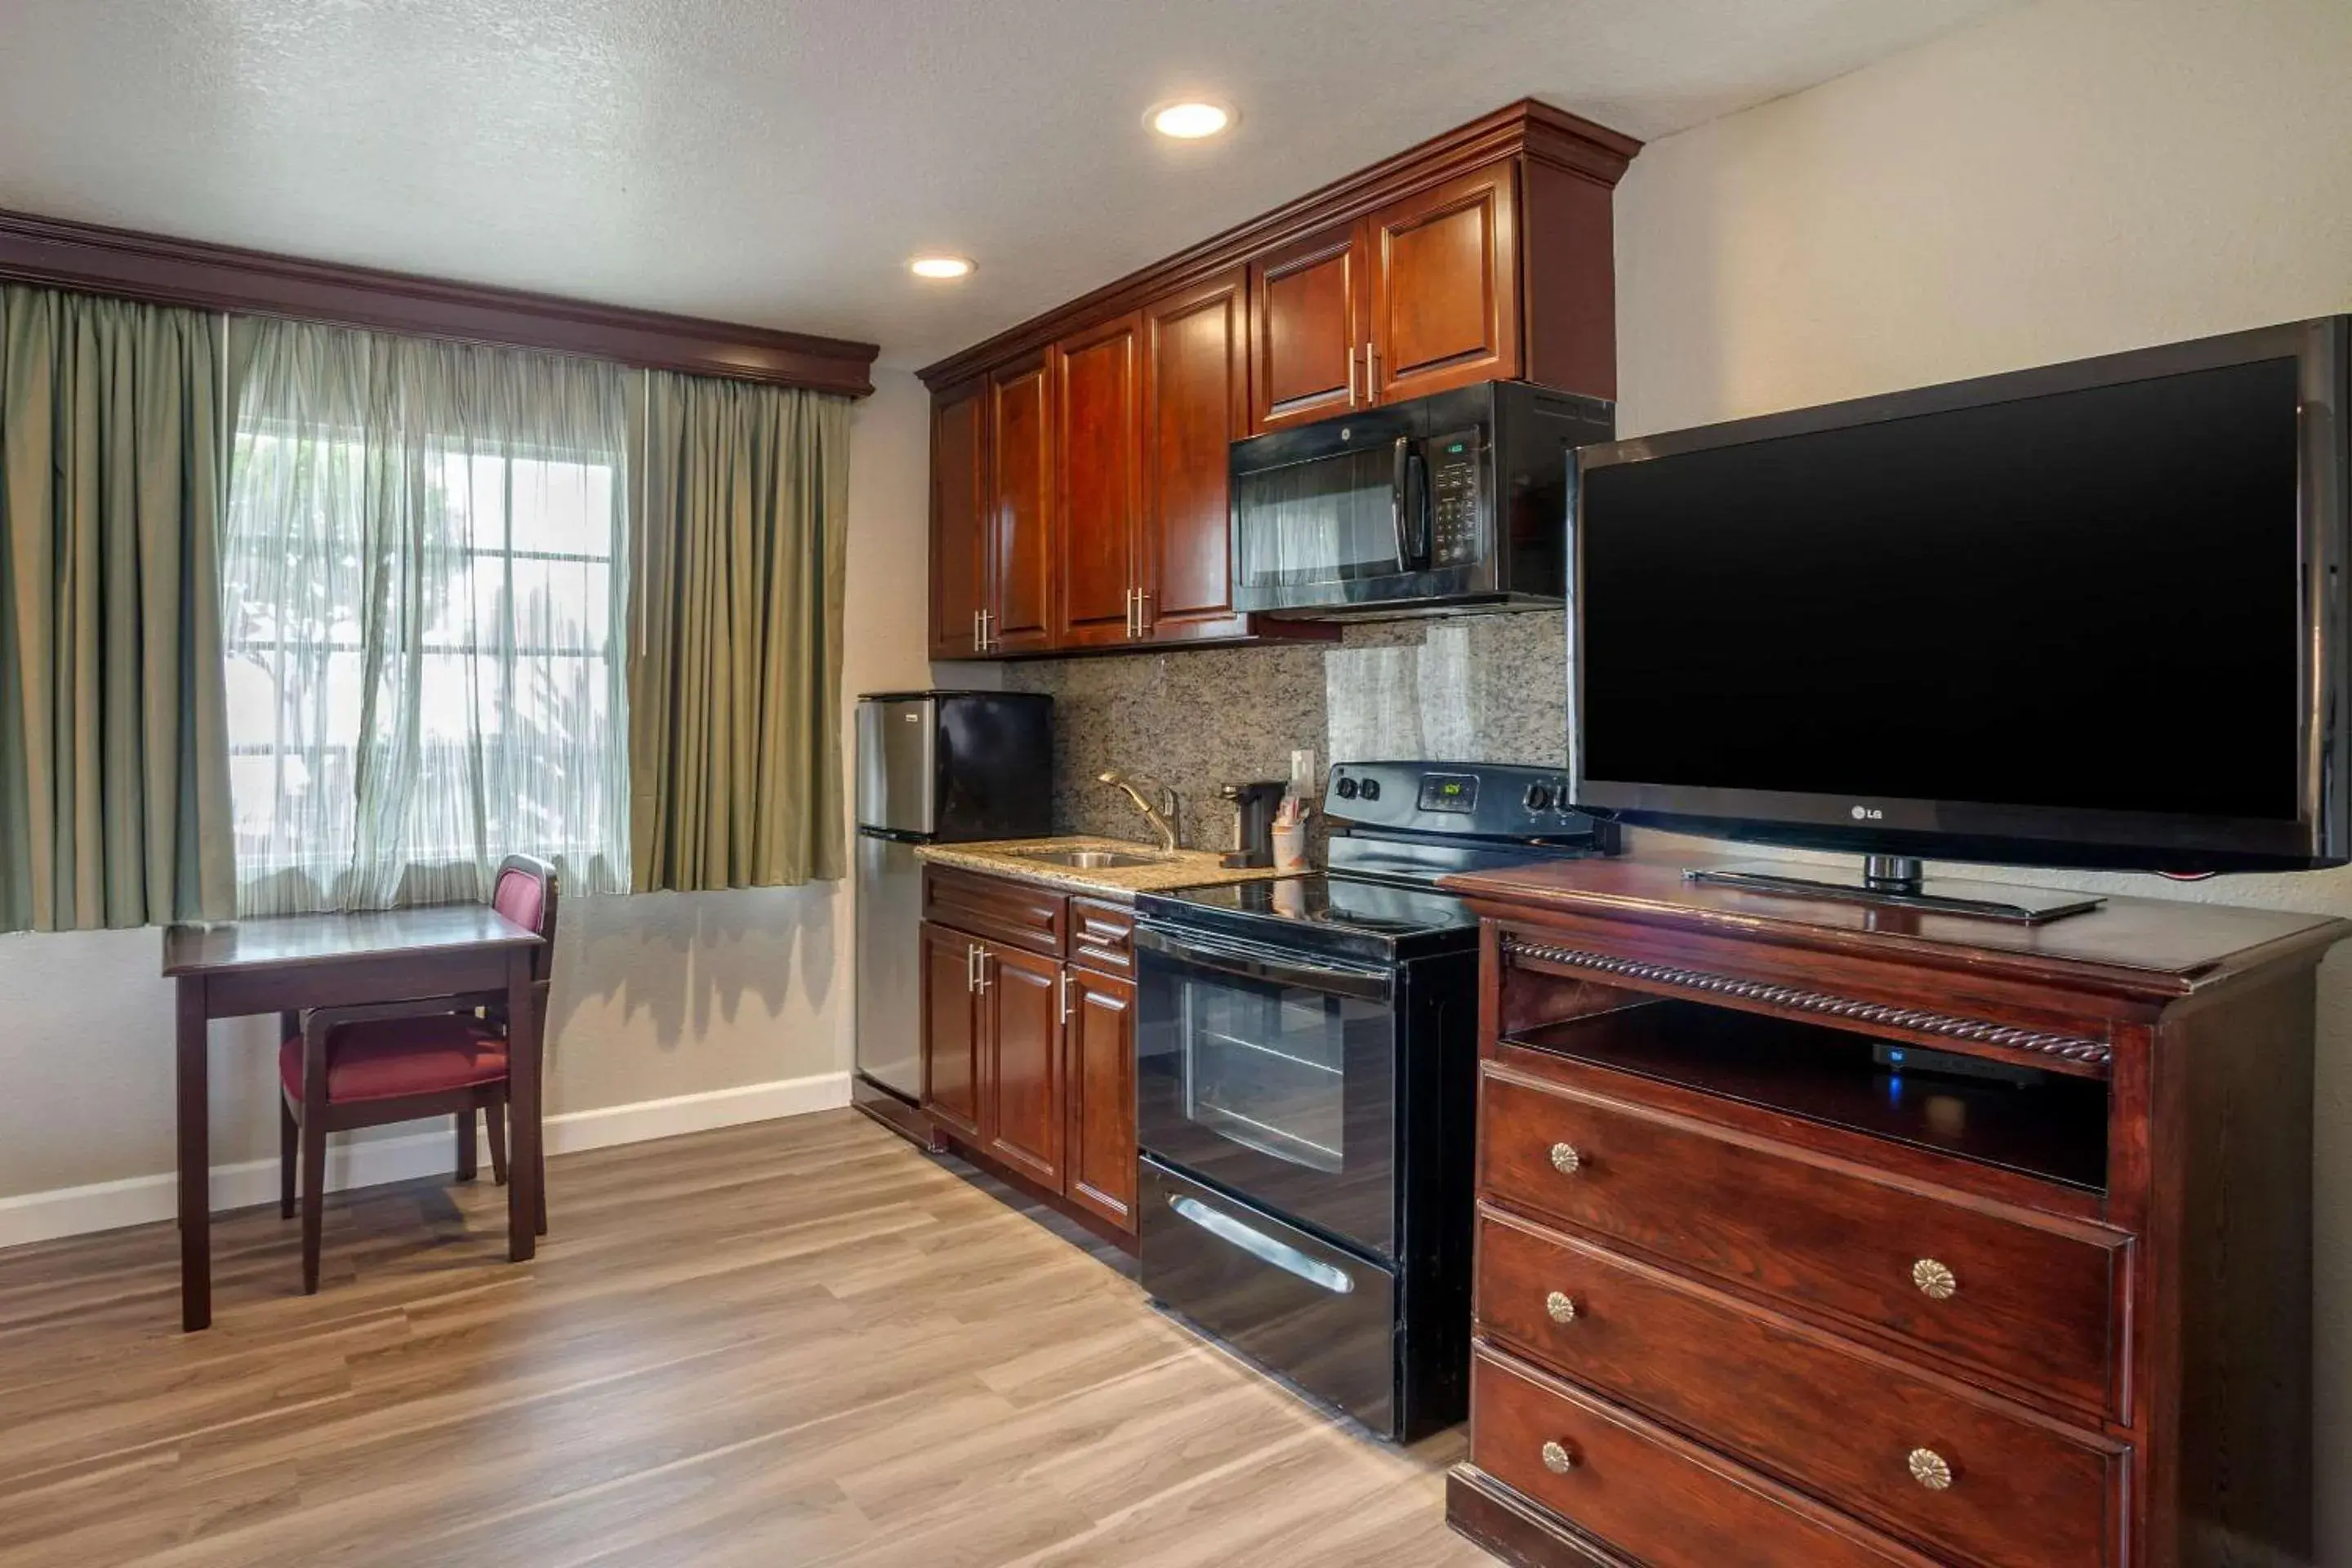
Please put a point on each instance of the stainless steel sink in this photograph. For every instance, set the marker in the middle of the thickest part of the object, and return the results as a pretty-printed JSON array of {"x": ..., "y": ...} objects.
[{"x": 1092, "y": 860}]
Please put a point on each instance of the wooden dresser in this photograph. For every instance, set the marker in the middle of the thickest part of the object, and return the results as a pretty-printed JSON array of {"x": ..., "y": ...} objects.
[{"x": 1753, "y": 1290}]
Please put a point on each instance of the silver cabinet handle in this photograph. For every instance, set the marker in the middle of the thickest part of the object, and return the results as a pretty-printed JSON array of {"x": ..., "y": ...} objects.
[
  {"x": 970, "y": 967},
  {"x": 1371, "y": 373},
  {"x": 1351, "y": 375},
  {"x": 1142, "y": 612},
  {"x": 985, "y": 956},
  {"x": 1066, "y": 996},
  {"x": 1130, "y": 612},
  {"x": 976, "y": 644}
]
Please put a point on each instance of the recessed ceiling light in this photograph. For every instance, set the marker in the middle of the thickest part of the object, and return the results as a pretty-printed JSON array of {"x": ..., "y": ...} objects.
[
  {"x": 1190, "y": 119},
  {"x": 940, "y": 266}
]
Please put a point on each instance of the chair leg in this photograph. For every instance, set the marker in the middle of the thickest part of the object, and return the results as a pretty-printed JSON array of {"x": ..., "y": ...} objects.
[
  {"x": 543, "y": 1185},
  {"x": 314, "y": 1200},
  {"x": 288, "y": 1137},
  {"x": 495, "y": 1113},
  {"x": 466, "y": 1144}
]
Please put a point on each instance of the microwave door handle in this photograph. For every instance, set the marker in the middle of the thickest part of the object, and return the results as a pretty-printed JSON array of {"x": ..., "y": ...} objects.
[{"x": 1400, "y": 470}]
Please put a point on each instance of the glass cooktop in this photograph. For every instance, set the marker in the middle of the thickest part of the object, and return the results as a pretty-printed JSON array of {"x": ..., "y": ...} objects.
[{"x": 1290, "y": 907}]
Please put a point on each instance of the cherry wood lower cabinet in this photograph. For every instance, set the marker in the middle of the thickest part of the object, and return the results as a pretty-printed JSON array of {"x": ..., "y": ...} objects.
[
  {"x": 1771, "y": 1271},
  {"x": 1098, "y": 1014},
  {"x": 953, "y": 1035},
  {"x": 1029, "y": 1039},
  {"x": 1026, "y": 1084}
]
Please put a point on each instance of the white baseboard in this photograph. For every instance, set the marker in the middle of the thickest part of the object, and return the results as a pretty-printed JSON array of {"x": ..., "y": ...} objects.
[{"x": 140, "y": 1199}]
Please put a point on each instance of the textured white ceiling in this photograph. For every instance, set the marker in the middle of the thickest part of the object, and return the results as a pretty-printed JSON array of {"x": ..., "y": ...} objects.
[{"x": 776, "y": 161}]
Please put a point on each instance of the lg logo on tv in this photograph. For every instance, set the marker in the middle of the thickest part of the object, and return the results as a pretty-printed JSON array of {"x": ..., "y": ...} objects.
[{"x": 1868, "y": 814}]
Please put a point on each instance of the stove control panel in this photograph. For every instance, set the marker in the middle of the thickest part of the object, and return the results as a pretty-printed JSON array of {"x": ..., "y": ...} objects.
[{"x": 1485, "y": 799}]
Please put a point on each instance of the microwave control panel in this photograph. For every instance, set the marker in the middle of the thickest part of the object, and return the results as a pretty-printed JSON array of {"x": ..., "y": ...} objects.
[{"x": 1454, "y": 461}]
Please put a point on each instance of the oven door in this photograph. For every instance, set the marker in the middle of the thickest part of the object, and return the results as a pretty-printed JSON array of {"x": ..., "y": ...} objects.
[{"x": 1271, "y": 1074}]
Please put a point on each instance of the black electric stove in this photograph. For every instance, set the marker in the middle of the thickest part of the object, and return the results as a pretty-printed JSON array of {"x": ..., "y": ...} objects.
[{"x": 1305, "y": 1087}]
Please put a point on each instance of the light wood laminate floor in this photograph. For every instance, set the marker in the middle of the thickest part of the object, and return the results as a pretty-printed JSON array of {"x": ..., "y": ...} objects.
[{"x": 795, "y": 1342}]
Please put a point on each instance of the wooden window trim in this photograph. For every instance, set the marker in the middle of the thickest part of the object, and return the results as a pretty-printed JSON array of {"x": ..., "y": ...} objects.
[{"x": 167, "y": 271}]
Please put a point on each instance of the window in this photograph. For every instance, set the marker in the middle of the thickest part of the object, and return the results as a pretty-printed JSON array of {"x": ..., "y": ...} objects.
[{"x": 422, "y": 576}]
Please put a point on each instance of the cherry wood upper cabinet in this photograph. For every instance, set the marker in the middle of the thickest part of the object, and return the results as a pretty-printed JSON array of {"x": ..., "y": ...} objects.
[
  {"x": 1307, "y": 309},
  {"x": 1443, "y": 293},
  {"x": 958, "y": 496},
  {"x": 1018, "y": 615},
  {"x": 1098, "y": 442},
  {"x": 1485, "y": 253},
  {"x": 1195, "y": 402},
  {"x": 951, "y": 1029},
  {"x": 1100, "y": 1073},
  {"x": 1027, "y": 1101}
]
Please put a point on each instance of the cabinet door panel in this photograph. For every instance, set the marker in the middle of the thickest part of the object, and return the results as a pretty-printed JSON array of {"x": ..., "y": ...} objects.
[
  {"x": 1096, "y": 440},
  {"x": 1444, "y": 293},
  {"x": 1195, "y": 402},
  {"x": 952, "y": 1038},
  {"x": 1026, "y": 1101},
  {"x": 1306, "y": 316},
  {"x": 1021, "y": 508},
  {"x": 959, "y": 489},
  {"x": 1101, "y": 1032}
]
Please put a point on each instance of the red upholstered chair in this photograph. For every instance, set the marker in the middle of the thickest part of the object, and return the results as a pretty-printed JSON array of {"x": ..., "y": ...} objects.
[{"x": 345, "y": 1068}]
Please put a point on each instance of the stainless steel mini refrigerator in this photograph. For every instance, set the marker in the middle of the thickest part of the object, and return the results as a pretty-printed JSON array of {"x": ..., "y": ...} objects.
[{"x": 933, "y": 767}]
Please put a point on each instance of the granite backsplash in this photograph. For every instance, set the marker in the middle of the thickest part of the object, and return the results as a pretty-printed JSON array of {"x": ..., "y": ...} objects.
[{"x": 1470, "y": 689}]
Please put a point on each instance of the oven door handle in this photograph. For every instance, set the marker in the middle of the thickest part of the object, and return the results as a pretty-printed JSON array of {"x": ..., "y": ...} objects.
[
  {"x": 1265, "y": 964},
  {"x": 1263, "y": 1247}
]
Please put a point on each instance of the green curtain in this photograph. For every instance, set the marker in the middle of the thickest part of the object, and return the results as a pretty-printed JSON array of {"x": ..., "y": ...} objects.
[
  {"x": 114, "y": 802},
  {"x": 735, "y": 647}
]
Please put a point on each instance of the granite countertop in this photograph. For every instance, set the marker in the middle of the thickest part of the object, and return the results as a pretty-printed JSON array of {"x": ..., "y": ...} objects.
[{"x": 1191, "y": 869}]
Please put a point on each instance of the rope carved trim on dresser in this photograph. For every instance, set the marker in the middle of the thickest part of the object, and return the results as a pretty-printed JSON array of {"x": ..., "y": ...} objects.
[{"x": 2071, "y": 1047}]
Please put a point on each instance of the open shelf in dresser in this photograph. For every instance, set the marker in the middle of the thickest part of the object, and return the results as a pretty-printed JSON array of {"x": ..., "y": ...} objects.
[{"x": 2051, "y": 1125}]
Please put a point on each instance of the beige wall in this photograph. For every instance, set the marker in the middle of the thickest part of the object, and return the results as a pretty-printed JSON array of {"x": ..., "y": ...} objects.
[
  {"x": 656, "y": 995},
  {"x": 2063, "y": 180}
]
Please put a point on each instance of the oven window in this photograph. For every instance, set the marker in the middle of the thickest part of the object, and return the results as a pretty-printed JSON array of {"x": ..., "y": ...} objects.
[
  {"x": 1328, "y": 520},
  {"x": 1268, "y": 1068}
]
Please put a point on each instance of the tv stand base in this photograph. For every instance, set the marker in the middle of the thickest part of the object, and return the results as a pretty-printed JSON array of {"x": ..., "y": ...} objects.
[{"x": 1896, "y": 883}]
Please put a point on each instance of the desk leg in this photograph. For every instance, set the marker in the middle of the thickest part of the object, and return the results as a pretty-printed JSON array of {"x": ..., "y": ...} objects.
[
  {"x": 524, "y": 1169},
  {"x": 196, "y": 1158}
]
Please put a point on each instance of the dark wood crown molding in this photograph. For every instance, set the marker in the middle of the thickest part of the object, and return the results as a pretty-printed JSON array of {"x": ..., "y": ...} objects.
[
  {"x": 168, "y": 271},
  {"x": 1527, "y": 128}
]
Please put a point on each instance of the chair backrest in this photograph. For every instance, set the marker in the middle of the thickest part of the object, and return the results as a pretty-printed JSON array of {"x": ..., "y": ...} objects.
[{"x": 525, "y": 892}]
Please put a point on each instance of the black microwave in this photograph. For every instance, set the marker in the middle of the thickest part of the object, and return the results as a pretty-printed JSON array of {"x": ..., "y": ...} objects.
[{"x": 1458, "y": 500}]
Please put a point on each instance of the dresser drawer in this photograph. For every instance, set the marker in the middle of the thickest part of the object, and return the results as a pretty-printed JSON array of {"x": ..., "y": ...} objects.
[
  {"x": 2030, "y": 1297},
  {"x": 997, "y": 908},
  {"x": 1800, "y": 1403},
  {"x": 1102, "y": 936},
  {"x": 1658, "y": 1499}
]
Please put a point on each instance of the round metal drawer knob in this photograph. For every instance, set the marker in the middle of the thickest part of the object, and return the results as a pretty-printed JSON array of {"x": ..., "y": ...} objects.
[
  {"x": 1560, "y": 1307},
  {"x": 1936, "y": 1281},
  {"x": 1558, "y": 1459},
  {"x": 1930, "y": 1469},
  {"x": 1566, "y": 1160}
]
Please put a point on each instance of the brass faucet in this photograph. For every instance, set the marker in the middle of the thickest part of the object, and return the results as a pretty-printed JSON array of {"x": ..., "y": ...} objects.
[{"x": 1161, "y": 818}]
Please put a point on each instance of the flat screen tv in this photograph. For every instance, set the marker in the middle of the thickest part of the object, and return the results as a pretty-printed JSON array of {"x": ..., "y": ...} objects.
[{"x": 2091, "y": 615}]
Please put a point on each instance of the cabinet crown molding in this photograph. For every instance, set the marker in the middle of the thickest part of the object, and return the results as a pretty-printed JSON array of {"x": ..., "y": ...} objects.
[{"x": 1528, "y": 128}]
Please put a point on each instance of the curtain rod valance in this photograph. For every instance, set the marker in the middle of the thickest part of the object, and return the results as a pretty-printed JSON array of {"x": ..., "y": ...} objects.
[{"x": 163, "y": 270}]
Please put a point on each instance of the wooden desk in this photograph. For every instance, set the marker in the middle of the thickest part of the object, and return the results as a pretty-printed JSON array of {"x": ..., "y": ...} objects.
[{"x": 233, "y": 969}]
